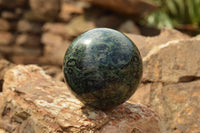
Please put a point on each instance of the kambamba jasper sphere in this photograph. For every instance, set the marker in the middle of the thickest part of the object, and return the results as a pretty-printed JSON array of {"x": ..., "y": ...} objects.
[{"x": 103, "y": 68}]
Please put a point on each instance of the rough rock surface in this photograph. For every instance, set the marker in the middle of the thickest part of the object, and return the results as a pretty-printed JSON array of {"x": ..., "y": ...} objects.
[
  {"x": 171, "y": 81},
  {"x": 54, "y": 71},
  {"x": 4, "y": 66},
  {"x": 169, "y": 57},
  {"x": 146, "y": 44},
  {"x": 177, "y": 104},
  {"x": 33, "y": 102},
  {"x": 173, "y": 61}
]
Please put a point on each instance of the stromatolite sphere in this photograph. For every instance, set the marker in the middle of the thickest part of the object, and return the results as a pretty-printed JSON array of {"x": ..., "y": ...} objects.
[{"x": 103, "y": 68}]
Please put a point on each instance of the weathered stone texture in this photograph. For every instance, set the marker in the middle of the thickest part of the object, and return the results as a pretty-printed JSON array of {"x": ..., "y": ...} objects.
[
  {"x": 174, "y": 61},
  {"x": 171, "y": 81},
  {"x": 34, "y": 102},
  {"x": 4, "y": 66}
]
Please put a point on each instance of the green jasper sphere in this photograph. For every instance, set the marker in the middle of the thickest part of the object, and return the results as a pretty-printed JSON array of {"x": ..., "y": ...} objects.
[{"x": 103, "y": 68}]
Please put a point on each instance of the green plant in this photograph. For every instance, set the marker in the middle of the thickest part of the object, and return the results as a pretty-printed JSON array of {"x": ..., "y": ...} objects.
[{"x": 175, "y": 13}]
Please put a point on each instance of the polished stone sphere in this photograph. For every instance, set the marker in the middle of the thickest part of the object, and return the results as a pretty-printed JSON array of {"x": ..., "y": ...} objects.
[{"x": 103, "y": 68}]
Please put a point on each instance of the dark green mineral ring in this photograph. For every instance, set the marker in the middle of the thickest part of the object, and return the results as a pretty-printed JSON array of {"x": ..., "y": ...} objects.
[{"x": 103, "y": 68}]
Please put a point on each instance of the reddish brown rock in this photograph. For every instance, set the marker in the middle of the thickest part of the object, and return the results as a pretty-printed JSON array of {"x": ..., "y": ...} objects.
[
  {"x": 4, "y": 25},
  {"x": 21, "y": 2},
  {"x": 37, "y": 103},
  {"x": 8, "y": 3},
  {"x": 188, "y": 117},
  {"x": 27, "y": 59},
  {"x": 78, "y": 25},
  {"x": 173, "y": 62},
  {"x": 163, "y": 56},
  {"x": 45, "y": 10},
  {"x": 129, "y": 27},
  {"x": 12, "y": 3},
  {"x": 145, "y": 44},
  {"x": 4, "y": 66},
  {"x": 171, "y": 81},
  {"x": 52, "y": 39},
  {"x": 2, "y": 131},
  {"x": 67, "y": 10},
  {"x": 142, "y": 94},
  {"x": 130, "y": 7},
  {"x": 54, "y": 71},
  {"x": 28, "y": 40},
  {"x": 28, "y": 26},
  {"x": 55, "y": 48},
  {"x": 15, "y": 50},
  {"x": 6, "y": 38},
  {"x": 57, "y": 28},
  {"x": 105, "y": 20},
  {"x": 8, "y": 15},
  {"x": 1, "y": 103},
  {"x": 30, "y": 16},
  {"x": 178, "y": 104}
]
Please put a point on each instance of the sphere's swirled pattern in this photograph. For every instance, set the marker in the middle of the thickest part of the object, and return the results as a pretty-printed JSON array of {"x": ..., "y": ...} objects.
[{"x": 102, "y": 67}]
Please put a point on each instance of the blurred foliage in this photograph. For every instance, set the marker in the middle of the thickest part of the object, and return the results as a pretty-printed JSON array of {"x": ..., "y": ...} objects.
[{"x": 175, "y": 13}]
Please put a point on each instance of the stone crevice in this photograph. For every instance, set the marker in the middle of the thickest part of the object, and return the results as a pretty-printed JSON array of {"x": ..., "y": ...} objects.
[
  {"x": 188, "y": 78},
  {"x": 1, "y": 85}
]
